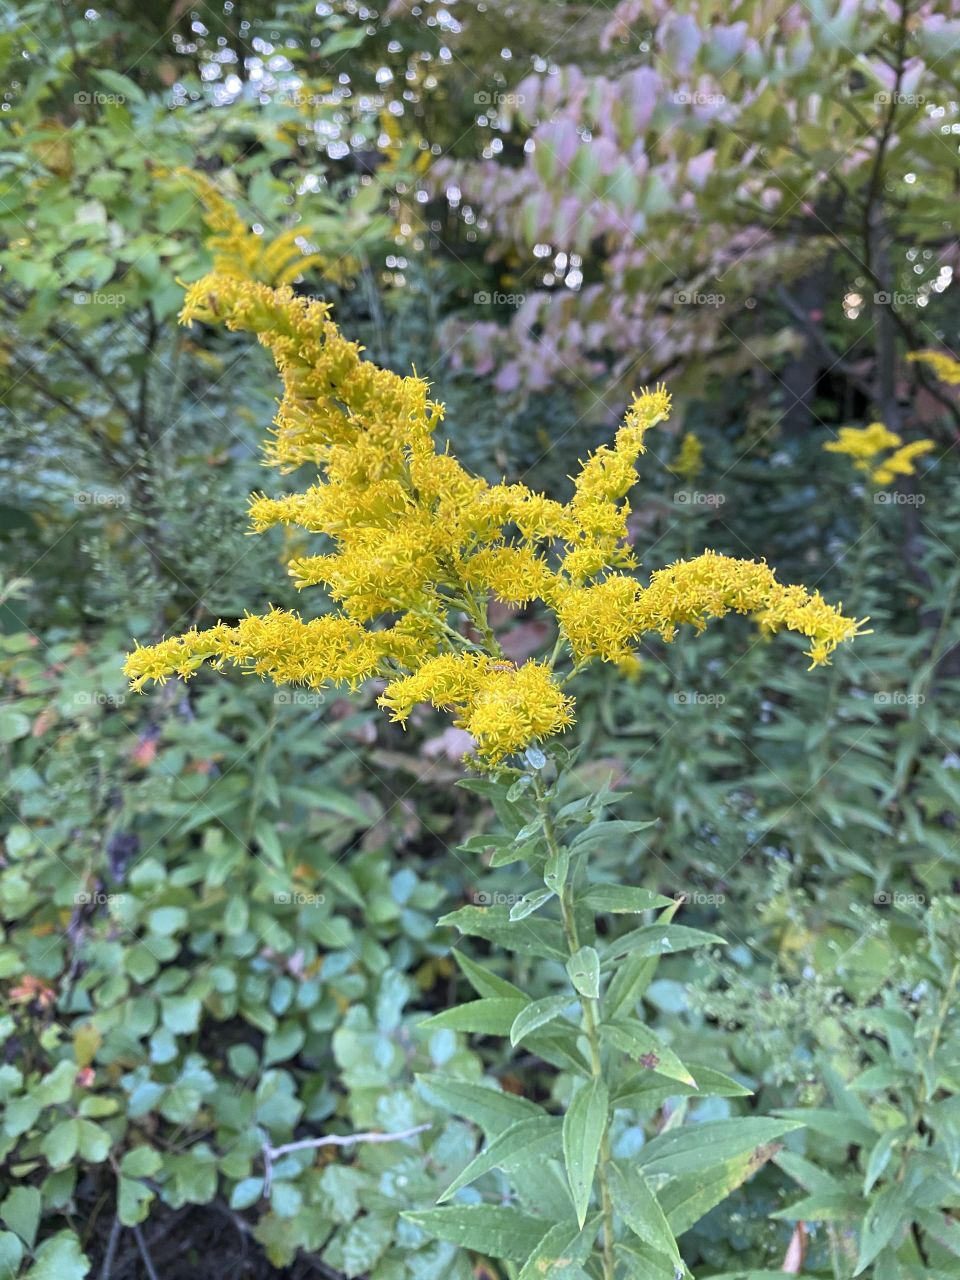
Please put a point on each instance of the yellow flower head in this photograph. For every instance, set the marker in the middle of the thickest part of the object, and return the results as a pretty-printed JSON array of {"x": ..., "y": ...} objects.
[
  {"x": 865, "y": 445},
  {"x": 415, "y": 548},
  {"x": 688, "y": 463}
]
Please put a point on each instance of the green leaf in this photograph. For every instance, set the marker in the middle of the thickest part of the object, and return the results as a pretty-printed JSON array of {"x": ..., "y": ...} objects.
[
  {"x": 640, "y": 1209},
  {"x": 345, "y": 38},
  {"x": 134, "y": 1199},
  {"x": 60, "y": 1144},
  {"x": 543, "y": 938},
  {"x": 623, "y": 899},
  {"x": 639, "y": 1043},
  {"x": 21, "y": 1213},
  {"x": 883, "y": 1220},
  {"x": 483, "y": 981},
  {"x": 539, "y": 1136},
  {"x": 494, "y": 1231},
  {"x": 688, "y": 1197},
  {"x": 491, "y": 1016},
  {"x": 11, "y": 1255},
  {"x": 583, "y": 969},
  {"x": 565, "y": 1246},
  {"x": 659, "y": 940},
  {"x": 532, "y": 902},
  {"x": 682, "y": 1150},
  {"x": 537, "y": 1015},
  {"x": 490, "y": 1108},
  {"x": 59, "y": 1258},
  {"x": 246, "y": 1193},
  {"x": 583, "y": 1128},
  {"x": 843, "y": 1128}
]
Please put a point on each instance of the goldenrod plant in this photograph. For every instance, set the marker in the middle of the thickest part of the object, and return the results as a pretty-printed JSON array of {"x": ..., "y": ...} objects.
[
  {"x": 879, "y": 452},
  {"x": 414, "y": 551}
]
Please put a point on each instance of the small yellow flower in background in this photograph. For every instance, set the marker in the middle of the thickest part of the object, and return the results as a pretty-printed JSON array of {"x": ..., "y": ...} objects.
[
  {"x": 943, "y": 365},
  {"x": 688, "y": 464},
  {"x": 416, "y": 548},
  {"x": 865, "y": 445}
]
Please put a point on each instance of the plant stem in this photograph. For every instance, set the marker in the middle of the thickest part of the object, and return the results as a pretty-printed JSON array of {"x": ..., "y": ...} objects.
[{"x": 592, "y": 1018}]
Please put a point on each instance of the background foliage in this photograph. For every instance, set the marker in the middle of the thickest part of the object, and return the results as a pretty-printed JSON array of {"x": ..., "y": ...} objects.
[{"x": 219, "y": 904}]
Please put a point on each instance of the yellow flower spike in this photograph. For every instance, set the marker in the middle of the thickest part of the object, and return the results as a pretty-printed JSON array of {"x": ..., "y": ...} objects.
[
  {"x": 417, "y": 547},
  {"x": 864, "y": 445},
  {"x": 943, "y": 365},
  {"x": 688, "y": 464}
]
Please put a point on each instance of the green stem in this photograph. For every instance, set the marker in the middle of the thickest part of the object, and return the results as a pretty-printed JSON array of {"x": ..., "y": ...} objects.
[{"x": 592, "y": 1018}]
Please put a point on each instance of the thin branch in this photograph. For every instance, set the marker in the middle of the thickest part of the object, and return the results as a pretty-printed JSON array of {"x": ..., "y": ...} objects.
[{"x": 332, "y": 1140}]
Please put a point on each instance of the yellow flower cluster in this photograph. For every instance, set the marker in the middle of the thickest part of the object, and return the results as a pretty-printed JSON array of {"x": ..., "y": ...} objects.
[
  {"x": 238, "y": 251},
  {"x": 415, "y": 548},
  {"x": 688, "y": 463},
  {"x": 866, "y": 445},
  {"x": 944, "y": 366}
]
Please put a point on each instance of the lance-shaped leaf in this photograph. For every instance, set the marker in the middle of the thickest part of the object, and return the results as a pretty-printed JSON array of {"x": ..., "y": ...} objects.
[
  {"x": 493, "y": 1230},
  {"x": 583, "y": 1129},
  {"x": 658, "y": 940},
  {"x": 621, "y": 899},
  {"x": 492, "y": 1016},
  {"x": 537, "y": 1136},
  {"x": 583, "y": 969},
  {"x": 639, "y": 1042},
  {"x": 490, "y": 1108},
  {"x": 561, "y": 1252},
  {"x": 684, "y": 1150},
  {"x": 638, "y": 1206},
  {"x": 538, "y": 1014}
]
